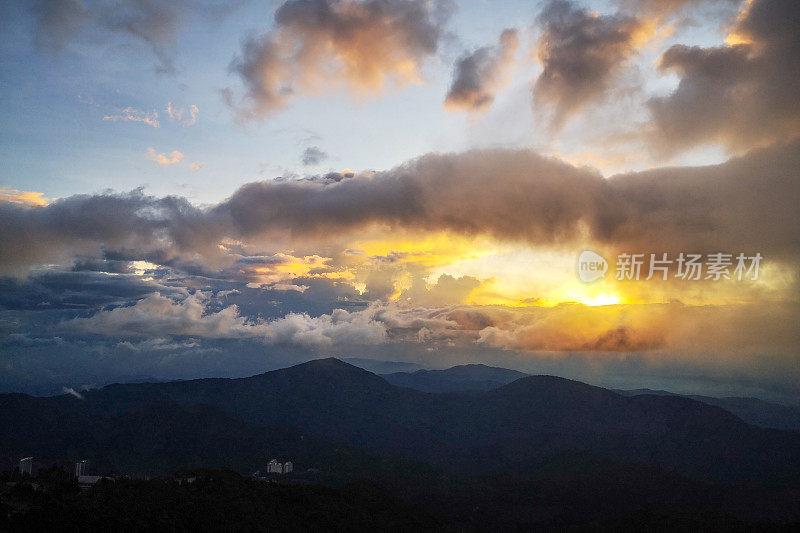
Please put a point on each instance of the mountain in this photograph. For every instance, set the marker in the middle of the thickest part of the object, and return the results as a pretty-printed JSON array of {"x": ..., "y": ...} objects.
[
  {"x": 758, "y": 412},
  {"x": 751, "y": 410},
  {"x": 454, "y": 379},
  {"x": 481, "y": 377},
  {"x": 163, "y": 436},
  {"x": 382, "y": 367},
  {"x": 516, "y": 427}
]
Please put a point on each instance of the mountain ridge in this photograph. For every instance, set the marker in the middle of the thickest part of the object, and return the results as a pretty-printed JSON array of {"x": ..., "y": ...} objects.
[
  {"x": 455, "y": 379},
  {"x": 516, "y": 426}
]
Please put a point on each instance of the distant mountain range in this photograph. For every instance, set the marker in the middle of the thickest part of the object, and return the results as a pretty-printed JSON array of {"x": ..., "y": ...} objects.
[
  {"x": 382, "y": 367},
  {"x": 481, "y": 377},
  {"x": 514, "y": 427},
  {"x": 457, "y": 378},
  {"x": 534, "y": 451},
  {"x": 751, "y": 410}
]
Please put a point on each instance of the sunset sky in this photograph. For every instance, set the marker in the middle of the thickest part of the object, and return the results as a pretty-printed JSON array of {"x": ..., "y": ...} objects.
[{"x": 200, "y": 188}]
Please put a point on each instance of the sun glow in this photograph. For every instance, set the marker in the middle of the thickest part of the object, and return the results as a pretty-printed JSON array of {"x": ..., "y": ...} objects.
[{"x": 603, "y": 298}]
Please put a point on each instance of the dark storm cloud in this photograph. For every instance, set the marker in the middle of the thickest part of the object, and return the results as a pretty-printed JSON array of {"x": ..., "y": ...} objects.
[
  {"x": 322, "y": 297},
  {"x": 71, "y": 290},
  {"x": 519, "y": 195},
  {"x": 580, "y": 52},
  {"x": 364, "y": 43},
  {"x": 102, "y": 265},
  {"x": 745, "y": 204},
  {"x": 480, "y": 74},
  {"x": 130, "y": 224},
  {"x": 741, "y": 95}
]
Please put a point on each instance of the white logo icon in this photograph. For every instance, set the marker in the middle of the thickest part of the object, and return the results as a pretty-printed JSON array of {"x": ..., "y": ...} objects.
[{"x": 591, "y": 266}]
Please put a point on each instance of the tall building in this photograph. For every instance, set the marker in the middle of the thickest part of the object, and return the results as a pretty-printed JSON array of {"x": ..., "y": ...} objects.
[
  {"x": 80, "y": 468},
  {"x": 274, "y": 467},
  {"x": 26, "y": 465}
]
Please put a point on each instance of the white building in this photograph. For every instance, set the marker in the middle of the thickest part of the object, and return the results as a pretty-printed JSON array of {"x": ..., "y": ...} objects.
[
  {"x": 80, "y": 468},
  {"x": 26, "y": 465},
  {"x": 274, "y": 467}
]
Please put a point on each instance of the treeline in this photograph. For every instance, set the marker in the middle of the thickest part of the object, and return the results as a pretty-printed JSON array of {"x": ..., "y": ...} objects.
[{"x": 205, "y": 500}]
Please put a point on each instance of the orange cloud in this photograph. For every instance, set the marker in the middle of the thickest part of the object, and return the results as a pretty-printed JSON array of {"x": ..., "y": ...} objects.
[
  {"x": 26, "y": 198},
  {"x": 367, "y": 44},
  {"x": 172, "y": 158}
]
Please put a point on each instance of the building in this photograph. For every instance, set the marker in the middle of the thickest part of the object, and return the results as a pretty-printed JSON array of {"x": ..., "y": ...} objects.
[
  {"x": 274, "y": 467},
  {"x": 26, "y": 465},
  {"x": 80, "y": 468}
]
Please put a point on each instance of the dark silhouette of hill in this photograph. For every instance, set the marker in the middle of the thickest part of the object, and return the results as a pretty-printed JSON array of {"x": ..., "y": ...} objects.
[
  {"x": 164, "y": 436},
  {"x": 382, "y": 367},
  {"x": 752, "y": 410},
  {"x": 567, "y": 493},
  {"x": 213, "y": 501},
  {"x": 481, "y": 377},
  {"x": 455, "y": 379},
  {"x": 517, "y": 427}
]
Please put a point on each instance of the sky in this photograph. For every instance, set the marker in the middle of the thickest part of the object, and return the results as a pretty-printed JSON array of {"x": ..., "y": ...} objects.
[{"x": 200, "y": 188}]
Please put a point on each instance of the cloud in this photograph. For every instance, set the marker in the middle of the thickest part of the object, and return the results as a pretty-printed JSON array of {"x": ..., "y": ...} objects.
[
  {"x": 339, "y": 328},
  {"x": 741, "y": 95},
  {"x": 432, "y": 193},
  {"x": 72, "y": 392},
  {"x": 276, "y": 270},
  {"x": 172, "y": 158},
  {"x": 60, "y": 21},
  {"x": 187, "y": 117},
  {"x": 447, "y": 290},
  {"x": 148, "y": 21},
  {"x": 581, "y": 52},
  {"x": 196, "y": 167},
  {"x": 510, "y": 195},
  {"x": 542, "y": 201},
  {"x": 481, "y": 74},
  {"x": 313, "y": 156},
  {"x": 288, "y": 287},
  {"x": 130, "y": 114},
  {"x": 85, "y": 286},
  {"x": 666, "y": 8},
  {"x": 687, "y": 332},
  {"x": 157, "y": 315},
  {"x": 26, "y": 198},
  {"x": 367, "y": 44},
  {"x": 131, "y": 225}
]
